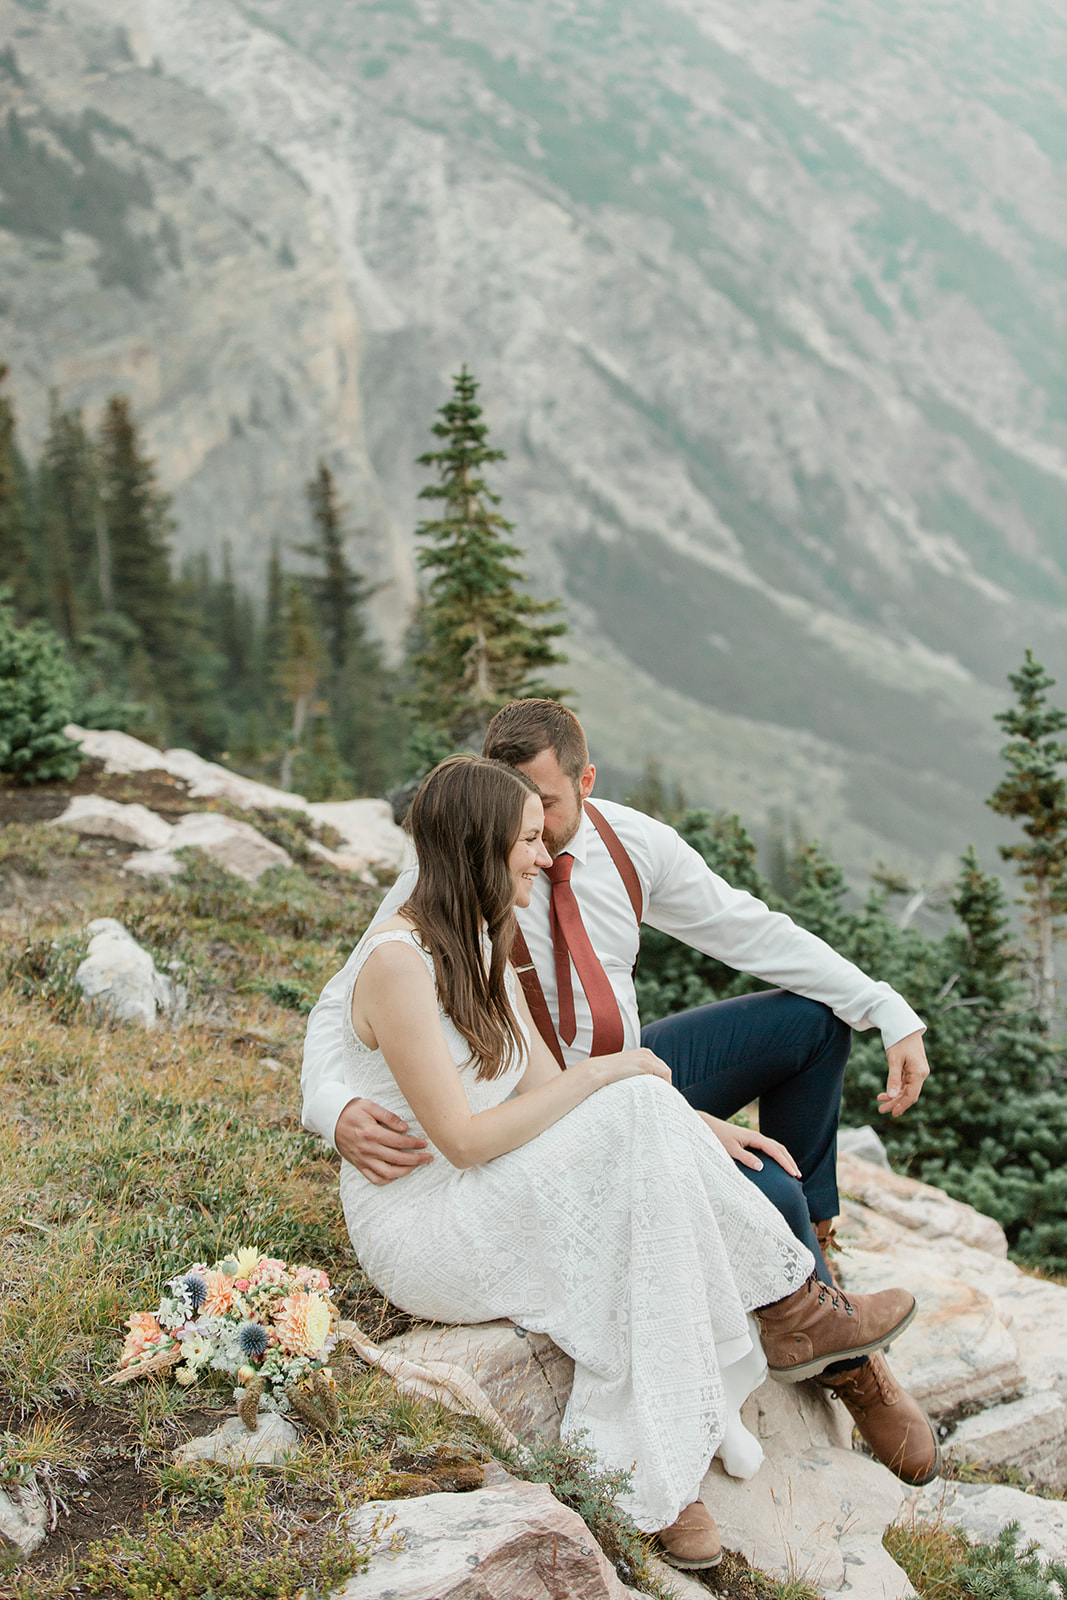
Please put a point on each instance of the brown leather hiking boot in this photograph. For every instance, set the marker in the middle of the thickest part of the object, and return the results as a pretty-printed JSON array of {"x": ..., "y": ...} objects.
[
  {"x": 817, "y": 1325},
  {"x": 692, "y": 1542},
  {"x": 892, "y": 1425}
]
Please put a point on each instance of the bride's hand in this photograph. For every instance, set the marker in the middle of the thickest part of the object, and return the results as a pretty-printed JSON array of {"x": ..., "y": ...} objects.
[{"x": 633, "y": 1064}]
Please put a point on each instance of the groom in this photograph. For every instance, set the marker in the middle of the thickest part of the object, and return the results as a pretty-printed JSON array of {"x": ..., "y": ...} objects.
[{"x": 613, "y": 868}]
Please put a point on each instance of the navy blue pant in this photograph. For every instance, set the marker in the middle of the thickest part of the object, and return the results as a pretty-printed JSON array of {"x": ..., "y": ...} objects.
[{"x": 790, "y": 1054}]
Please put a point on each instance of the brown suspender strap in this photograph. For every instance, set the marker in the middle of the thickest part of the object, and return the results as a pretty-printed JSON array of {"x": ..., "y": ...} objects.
[
  {"x": 617, "y": 851},
  {"x": 520, "y": 954},
  {"x": 535, "y": 996}
]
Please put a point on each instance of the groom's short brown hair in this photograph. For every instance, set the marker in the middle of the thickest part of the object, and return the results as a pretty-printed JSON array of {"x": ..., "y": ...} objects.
[{"x": 524, "y": 728}]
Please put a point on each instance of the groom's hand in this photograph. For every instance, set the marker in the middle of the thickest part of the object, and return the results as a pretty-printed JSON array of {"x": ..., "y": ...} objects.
[
  {"x": 908, "y": 1071},
  {"x": 377, "y": 1142}
]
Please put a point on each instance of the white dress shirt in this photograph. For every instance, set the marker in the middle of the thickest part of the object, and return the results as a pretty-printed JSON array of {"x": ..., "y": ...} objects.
[{"x": 682, "y": 897}]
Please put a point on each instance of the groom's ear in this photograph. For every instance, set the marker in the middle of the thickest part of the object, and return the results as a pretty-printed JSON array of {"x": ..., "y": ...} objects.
[{"x": 586, "y": 781}]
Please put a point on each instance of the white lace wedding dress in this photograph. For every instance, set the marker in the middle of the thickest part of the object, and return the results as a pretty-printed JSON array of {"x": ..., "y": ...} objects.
[{"x": 624, "y": 1232}]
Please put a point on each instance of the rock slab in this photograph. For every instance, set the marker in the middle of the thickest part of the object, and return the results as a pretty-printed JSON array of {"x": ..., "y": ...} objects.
[
  {"x": 108, "y": 819},
  {"x": 372, "y": 840},
  {"x": 24, "y": 1516},
  {"x": 1028, "y": 1434},
  {"x": 237, "y": 846},
  {"x": 816, "y": 1510},
  {"x": 983, "y": 1510},
  {"x": 526, "y": 1377},
  {"x": 512, "y": 1542},
  {"x": 274, "y": 1438},
  {"x": 120, "y": 977}
]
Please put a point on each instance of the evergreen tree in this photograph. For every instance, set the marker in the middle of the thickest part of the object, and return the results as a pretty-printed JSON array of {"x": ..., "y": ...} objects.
[
  {"x": 171, "y": 664},
  {"x": 1035, "y": 793},
  {"x": 139, "y": 525},
  {"x": 298, "y": 674},
  {"x": 15, "y": 556},
  {"x": 483, "y": 642},
  {"x": 984, "y": 973},
  {"x": 36, "y": 700},
  {"x": 69, "y": 511},
  {"x": 355, "y": 681}
]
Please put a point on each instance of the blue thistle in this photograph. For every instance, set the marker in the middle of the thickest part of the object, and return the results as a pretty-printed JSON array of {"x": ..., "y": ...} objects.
[
  {"x": 253, "y": 1339},
  {"x": 195, "y": 1288}
]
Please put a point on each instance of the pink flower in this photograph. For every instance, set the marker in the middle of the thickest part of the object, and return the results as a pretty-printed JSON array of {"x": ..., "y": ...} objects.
[
  {"x": 268, "y": 1271},
  {"x": 311, "y": 1278},
  {"x": 303, "y": 1324},
  {"x": 144, "y": 1333},
  {"x": 219, "y": 1297}
]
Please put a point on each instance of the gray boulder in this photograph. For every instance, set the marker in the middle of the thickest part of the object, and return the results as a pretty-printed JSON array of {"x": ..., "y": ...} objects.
[{"x": 120, "y": 977}]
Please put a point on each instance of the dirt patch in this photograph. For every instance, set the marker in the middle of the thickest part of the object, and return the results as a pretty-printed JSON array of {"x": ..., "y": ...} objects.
[
  {"x": 117, "y": 1490},
  {"x": 40, "y": 802}
]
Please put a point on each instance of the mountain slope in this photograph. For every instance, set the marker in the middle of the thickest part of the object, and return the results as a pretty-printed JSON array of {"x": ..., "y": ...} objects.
[{"x": 767, "y": 307}]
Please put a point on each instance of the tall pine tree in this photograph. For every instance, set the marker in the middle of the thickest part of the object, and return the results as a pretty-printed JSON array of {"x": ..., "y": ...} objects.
[
  {"x": 16, "y": 567},
  {"x": 70, "y": 518},
  {"x": 355, "y": 682},
  {"x": 483, "y": 642},
  {"x": 170, "y": 663},
  {"x": 1034, "y": 792}
]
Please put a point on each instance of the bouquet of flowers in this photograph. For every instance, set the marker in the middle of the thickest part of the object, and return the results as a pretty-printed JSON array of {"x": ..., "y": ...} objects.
[{"x": 270, "y": 1326}]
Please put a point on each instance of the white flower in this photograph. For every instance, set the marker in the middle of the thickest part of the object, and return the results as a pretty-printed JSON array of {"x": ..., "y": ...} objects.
[
  {"x": 197, "y": 1349},
  {"x": 185, "y": 1375}
]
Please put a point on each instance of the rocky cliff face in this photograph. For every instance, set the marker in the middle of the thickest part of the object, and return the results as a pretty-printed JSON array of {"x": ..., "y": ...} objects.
[
  {"x": 766, "y": 304},
  {"x": 148, "y": 245}
]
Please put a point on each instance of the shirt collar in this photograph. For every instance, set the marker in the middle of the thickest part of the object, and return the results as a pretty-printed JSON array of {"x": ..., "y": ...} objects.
[{"x": 579, "y": 845}]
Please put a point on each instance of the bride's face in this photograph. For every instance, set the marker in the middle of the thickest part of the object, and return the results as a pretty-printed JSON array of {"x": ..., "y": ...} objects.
[{"x": 528, "y": 853}]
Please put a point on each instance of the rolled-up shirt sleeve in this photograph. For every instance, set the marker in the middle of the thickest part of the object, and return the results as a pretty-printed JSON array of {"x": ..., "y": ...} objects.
[{"x": 695, "y": 905}]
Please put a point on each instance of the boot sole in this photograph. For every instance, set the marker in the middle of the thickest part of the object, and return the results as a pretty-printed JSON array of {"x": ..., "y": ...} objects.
[
  {"x": 690, "y": 1566},
  {"x": 812, "y": 1369}
]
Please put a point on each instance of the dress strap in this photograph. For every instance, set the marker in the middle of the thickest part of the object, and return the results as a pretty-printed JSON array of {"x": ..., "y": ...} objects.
[{"x": 370, "y": 942}]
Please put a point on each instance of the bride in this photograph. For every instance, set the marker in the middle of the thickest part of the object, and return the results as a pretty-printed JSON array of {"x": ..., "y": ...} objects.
[{"x": 593, "y": 1205}]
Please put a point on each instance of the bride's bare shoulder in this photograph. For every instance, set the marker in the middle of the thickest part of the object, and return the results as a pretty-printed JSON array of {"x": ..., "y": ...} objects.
[
  {"x": 394, "y": 925},
  {"x": 393, "y": 957}
]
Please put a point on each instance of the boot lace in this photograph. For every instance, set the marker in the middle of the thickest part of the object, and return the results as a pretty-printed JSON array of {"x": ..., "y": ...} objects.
[{"x": 838, "y": 1298}]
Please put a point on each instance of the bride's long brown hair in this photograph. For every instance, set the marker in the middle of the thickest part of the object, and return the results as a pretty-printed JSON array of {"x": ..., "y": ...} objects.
[{"x": 465, "y": 820}]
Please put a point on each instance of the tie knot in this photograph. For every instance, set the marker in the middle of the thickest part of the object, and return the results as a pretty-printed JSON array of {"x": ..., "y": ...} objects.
[{"x": 560, "y": 870}]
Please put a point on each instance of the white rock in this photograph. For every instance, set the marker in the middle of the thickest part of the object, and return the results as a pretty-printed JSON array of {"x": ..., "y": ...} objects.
[
  {"x": 237, "y": 846},
  {"x": 526, "y": 1377},
  {"x": 373, "y": 842},
  {"x": 274, "y": 1438},
  {"x": 1032, "y": 1310},
  {"x": 108, "y": 819},
  {"x": 919, "y": 1206},
  {"x": 958, "y": 1351},
  {"x": 208, "y": 781},
  {"x": 24, "y": 1516},
  {"x": 816, "y": 1509},
  {"x": 119, "y": 975},
  {"x": 119, "y": 752},
  {"x": 983, "y": 1510},
  {"x": 1029, "y": 1434},
  {"x": 513, "y": 1542},
  {"x": 863, "y": 1143}
]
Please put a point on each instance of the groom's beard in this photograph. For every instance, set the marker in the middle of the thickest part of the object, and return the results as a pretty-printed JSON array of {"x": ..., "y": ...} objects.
[{"x": 557, "y": 840}]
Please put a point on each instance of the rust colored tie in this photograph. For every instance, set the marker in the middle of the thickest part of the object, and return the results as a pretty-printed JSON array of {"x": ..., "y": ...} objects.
[{"x": 570, "y": 942}]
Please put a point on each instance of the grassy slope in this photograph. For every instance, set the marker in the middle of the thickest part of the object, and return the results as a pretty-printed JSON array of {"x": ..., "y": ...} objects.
[{"x": 126, "y": 1155}]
